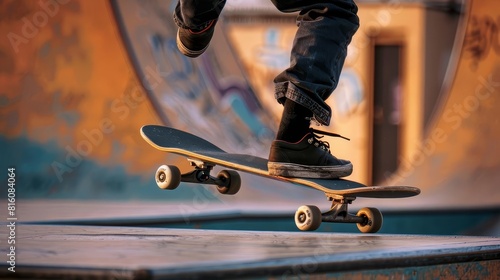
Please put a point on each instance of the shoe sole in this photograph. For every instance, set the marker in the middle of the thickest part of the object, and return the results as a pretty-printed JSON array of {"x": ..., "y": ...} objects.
[
  {"x": 306, "y": 171},
  {"x": 187, "y": 52}
]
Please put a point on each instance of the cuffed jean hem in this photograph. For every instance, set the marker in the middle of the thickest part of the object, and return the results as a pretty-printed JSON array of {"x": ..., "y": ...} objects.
[
  {"x": 183, "y": 26},
  {"x": 197, "y": 15},
  {"x": 321, "y": 112}
]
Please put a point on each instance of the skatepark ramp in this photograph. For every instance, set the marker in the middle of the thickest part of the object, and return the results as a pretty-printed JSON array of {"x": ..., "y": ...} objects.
[
  {"x": 71, "y": 103},
  {"x": 79, "y": 79},
  {"x": 457, "y": 164},
  {"x": 83, "y": 252}
]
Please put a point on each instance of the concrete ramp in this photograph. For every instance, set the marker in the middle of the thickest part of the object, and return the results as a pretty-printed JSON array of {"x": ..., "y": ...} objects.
[
  {"x": 458, "y": 163},
  {"x": 71, "y": 104},
  {"x": 79, "y": 79},
  {"x": 66, "y": 252},
  {"x": 208, "y": 96}
]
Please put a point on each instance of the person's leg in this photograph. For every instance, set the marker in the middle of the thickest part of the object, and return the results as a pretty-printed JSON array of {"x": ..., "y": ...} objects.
[
  {"x": 325, "y": 29},
  {"x": 196, "y": 20}
]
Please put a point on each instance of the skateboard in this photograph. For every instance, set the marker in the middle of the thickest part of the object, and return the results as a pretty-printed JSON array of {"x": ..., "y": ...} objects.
[{"x": 203, "y": 156}]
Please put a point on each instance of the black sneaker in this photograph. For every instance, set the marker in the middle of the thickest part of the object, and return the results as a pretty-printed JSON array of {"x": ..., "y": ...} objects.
[
  {"x": 308, "y": 158},
  {"x": 193, "y": 43}
]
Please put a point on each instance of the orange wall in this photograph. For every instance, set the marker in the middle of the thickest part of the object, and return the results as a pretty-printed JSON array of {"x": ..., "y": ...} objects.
[{"x": 67, "y": 86}]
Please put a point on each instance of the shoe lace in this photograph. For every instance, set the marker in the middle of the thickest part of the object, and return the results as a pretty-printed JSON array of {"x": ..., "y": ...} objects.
[{"x": 315, "y": 140}]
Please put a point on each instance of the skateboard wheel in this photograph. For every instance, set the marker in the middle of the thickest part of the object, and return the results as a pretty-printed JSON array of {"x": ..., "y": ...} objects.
[
  {"x": 373, "y": 221},
  {"x": 168, "y": 177},
  {"x": 308, "y": 217},
  {"x": 232, "y": 182}
]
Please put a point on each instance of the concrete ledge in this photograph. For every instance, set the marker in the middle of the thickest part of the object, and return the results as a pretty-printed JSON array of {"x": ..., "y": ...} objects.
[{"x": 86, "y": 252}]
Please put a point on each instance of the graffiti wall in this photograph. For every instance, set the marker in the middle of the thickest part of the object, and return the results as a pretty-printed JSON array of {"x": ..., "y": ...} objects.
[
  {"x": 71, "y": 104},
  {"x": 460, "y": 150},
  {"x": 78, "y": 80},
  {"x": 208, "y": 96}
]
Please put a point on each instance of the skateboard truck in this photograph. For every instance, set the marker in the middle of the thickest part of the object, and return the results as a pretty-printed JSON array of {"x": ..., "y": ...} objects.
[
  {"x": 309, "y": 217},
  {"x": 338, "y": 211},
  {"x": 201, "y": 174},
  {"x": 169, "y": 177}
]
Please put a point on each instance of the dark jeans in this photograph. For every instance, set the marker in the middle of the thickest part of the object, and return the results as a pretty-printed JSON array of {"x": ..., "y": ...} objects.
[{"x": 325, "y": 29}]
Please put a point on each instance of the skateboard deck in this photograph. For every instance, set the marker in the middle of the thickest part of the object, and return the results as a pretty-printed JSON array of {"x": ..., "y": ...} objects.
[{"x": 204, "y": 155}]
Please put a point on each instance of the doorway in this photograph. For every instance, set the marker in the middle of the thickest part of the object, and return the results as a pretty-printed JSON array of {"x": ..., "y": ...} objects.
[{"x": 386, "y": 111}]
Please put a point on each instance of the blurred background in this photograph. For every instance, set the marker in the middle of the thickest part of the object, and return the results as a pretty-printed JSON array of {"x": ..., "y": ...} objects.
[{"x": 417, "y": 97}]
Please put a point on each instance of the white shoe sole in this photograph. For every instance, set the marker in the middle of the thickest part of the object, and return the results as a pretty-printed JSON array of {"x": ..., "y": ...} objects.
[{"x": 293, "y": 170}]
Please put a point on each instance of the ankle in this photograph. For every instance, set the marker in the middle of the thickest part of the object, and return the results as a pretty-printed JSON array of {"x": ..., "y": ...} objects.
[{"x": 295, "y": 122}]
